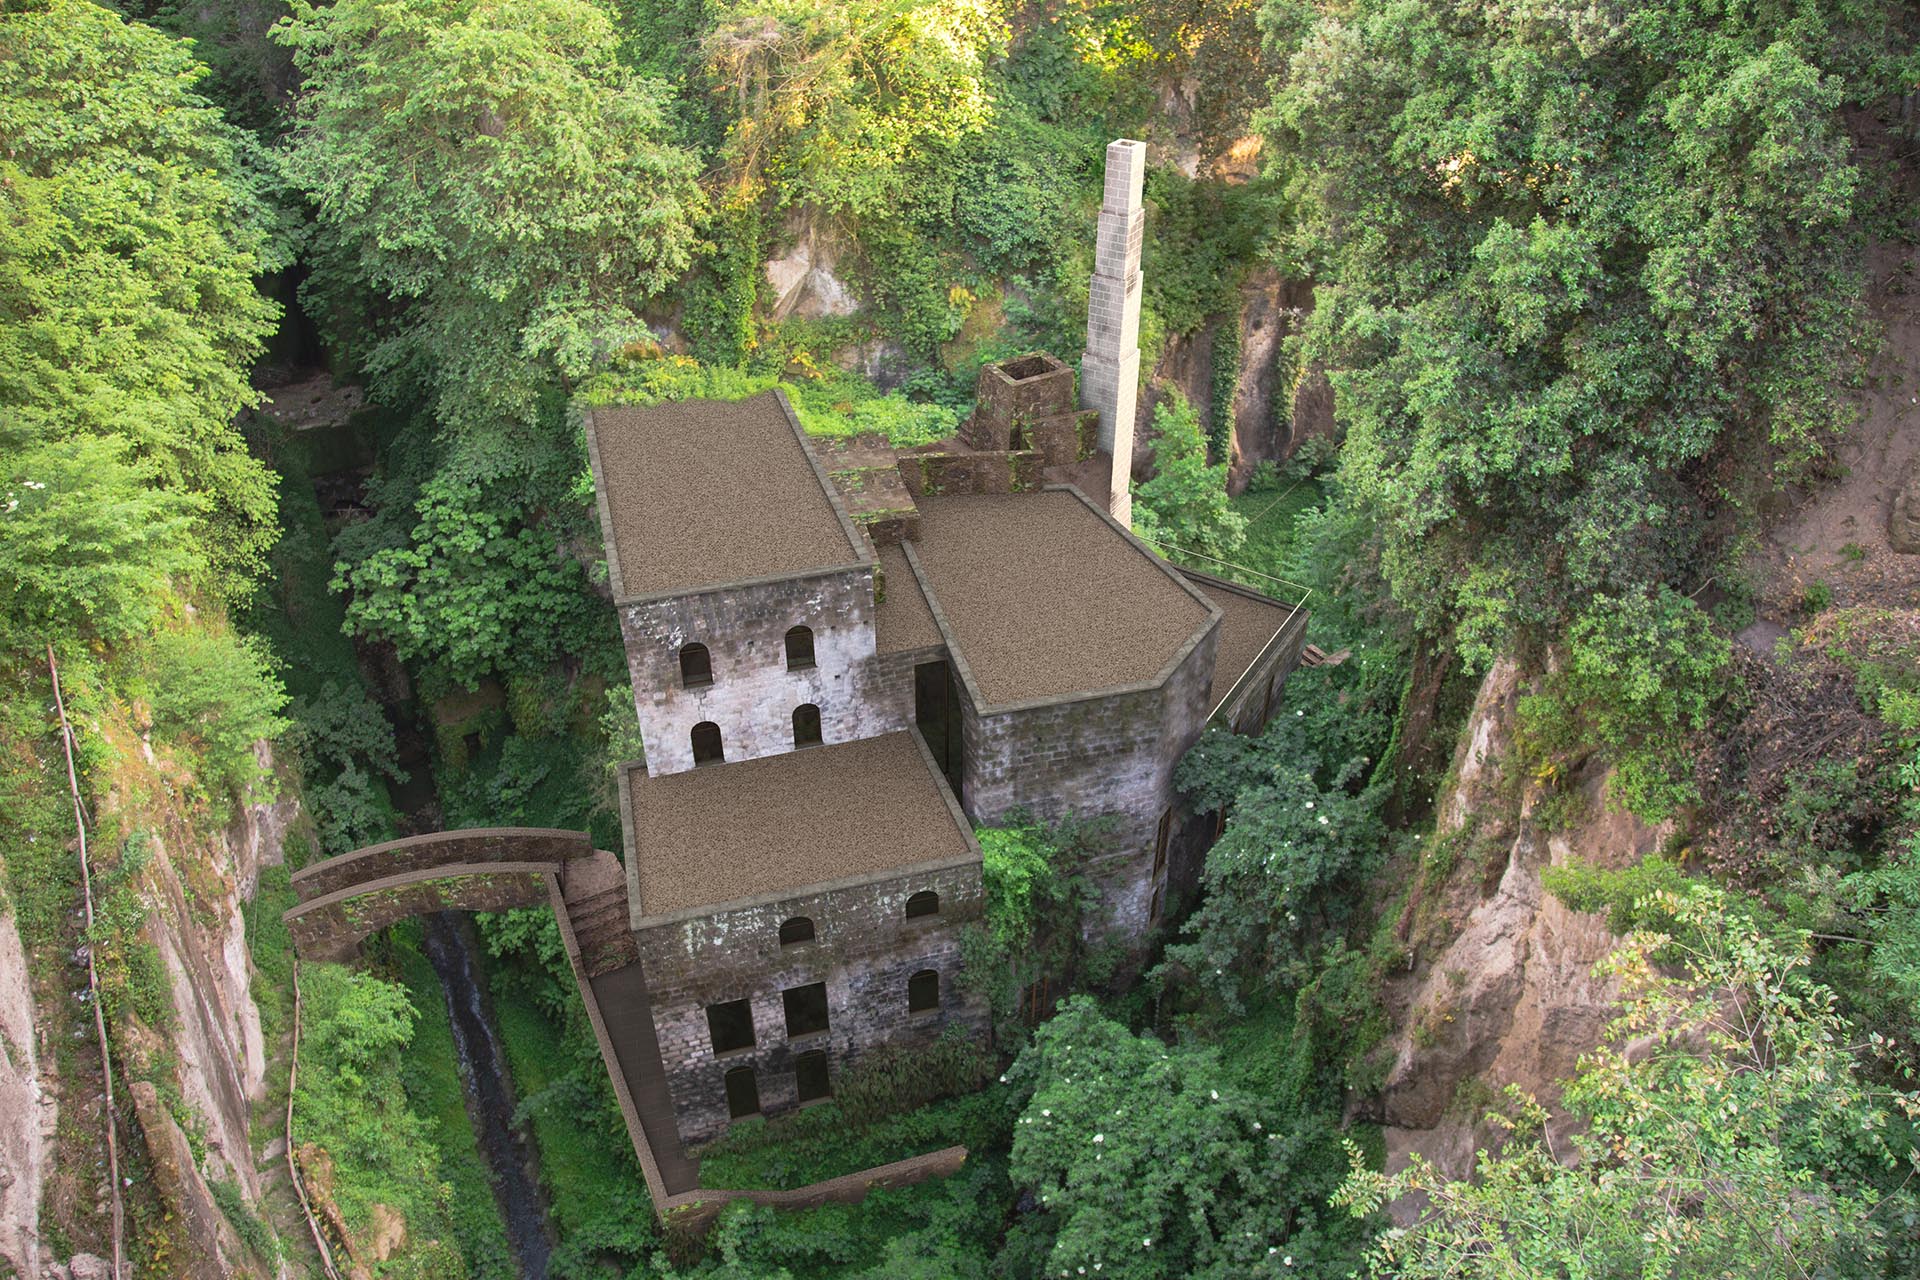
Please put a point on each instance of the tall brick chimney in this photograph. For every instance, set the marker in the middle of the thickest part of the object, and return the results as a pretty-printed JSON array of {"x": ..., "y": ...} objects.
[{"x": 1110, "y": 370}]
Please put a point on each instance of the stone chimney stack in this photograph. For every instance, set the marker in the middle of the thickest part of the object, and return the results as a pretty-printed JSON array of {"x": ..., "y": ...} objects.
[{"x": 1110, "y": 370}]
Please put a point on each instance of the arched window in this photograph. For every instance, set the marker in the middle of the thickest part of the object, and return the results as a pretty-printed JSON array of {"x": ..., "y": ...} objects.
[
  {"x": 924, "y": 903},
  {"x": 696, "y": 666},
  {"x": 799, "y": 648},
  {"x": 795, "y": 931},
  {"x": 806, "y": 725},
  {"x": 706, "y": 743},
  {"x": 923, "y": 991},
  {"x": 743, "y": 1093}
]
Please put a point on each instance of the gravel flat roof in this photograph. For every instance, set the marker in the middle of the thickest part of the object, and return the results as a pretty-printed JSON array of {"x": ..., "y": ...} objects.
[
  {"x": 1045, "y": 598},
  {"x": 723, "y": 832},
  {"x": 1245, "y": 627},
  {"x": 704, "y": 492},
  {"x": 902, "y": 619}
]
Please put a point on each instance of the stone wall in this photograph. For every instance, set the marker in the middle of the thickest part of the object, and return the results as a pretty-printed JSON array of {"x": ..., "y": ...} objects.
[
  {"x": 753, "y": 694},
  {"x": 864, "y": 950},
  {"x": 331, "y": 926},
  {"x": 1108, "y": 755},
  {"x": 436, "y": 850}
]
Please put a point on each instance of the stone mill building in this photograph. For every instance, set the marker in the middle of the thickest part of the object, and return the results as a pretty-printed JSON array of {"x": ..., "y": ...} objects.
[{"x": 843, "y": 657}]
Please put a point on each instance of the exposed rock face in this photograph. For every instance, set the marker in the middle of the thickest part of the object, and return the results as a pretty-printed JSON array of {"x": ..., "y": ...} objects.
[
  {"x": 804, "y": 283},
  {"x": 1903, "y": 522},
  {"x": 1265, "y": 320},
  {"x": 203, "y": 1243},
  {"x": 1511, "y": 998},
  {"x": 198, "y": 927},
  {"x": 26, "y": 1116}
]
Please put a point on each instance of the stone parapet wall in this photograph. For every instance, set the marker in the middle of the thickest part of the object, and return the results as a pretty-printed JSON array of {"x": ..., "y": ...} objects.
[
  {"x": 439, "y": 849},
  {"x": 998, "y": 471},
  {"x": 330, "y": 927},
  {"x": 864, "y": 950},
  {"x": 753, "y": 694}
]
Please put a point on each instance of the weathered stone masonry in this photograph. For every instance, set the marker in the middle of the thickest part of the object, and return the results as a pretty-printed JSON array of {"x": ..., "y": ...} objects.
[
  {"x": 864, "y": 949},
  {"x": 753, "y": 693}
]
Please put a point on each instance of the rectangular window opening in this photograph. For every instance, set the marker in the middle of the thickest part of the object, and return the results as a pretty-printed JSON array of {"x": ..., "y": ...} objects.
[
  {"x": 810, "y": 1075},
  {"x": 731, "y": 1026},
  {"x": 806, "y": 1009}
]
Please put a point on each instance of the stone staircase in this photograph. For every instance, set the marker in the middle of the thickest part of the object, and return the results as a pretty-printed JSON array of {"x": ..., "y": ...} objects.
[{"x": 601, "y": 927}]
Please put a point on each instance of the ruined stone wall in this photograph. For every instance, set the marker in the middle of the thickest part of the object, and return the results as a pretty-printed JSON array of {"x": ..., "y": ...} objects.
[
  {"x": 864, "y": 950},
  {"x": 892, "y": 683},
  {"x": 1251, "y": 702},
  {"x": 1107, "y": 755},
  {"x": 753, "y": 694}
]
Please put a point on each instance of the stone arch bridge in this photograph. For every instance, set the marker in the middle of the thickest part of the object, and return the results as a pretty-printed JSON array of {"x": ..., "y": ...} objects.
[{"x": 344, "y": 899}]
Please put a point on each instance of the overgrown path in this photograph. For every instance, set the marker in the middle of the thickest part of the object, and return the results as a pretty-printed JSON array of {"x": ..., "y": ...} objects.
[{"x": 1835, "y": 540}]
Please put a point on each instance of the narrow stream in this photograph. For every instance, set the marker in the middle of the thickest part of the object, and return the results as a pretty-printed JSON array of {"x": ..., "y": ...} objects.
[
  {"x": 483, "y": 1070},
  {"x": 449, "y": 947}
]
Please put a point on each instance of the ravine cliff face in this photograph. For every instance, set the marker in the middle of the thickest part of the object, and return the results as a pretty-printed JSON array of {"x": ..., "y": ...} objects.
[
  {"x": 1503, "y": 989},
  {"x": 191, "y": 1074}
]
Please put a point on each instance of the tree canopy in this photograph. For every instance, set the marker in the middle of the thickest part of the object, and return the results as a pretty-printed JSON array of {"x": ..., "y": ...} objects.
[
  {"x": 492, "y": 166},
  {"x": 1576, "y": 261},
  {"x": 130, "y": 235}
]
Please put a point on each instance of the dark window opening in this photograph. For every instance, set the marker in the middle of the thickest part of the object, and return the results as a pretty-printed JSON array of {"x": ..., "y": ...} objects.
[
  {"x": 696, "y": 666},
  {"x": 810, "y": 1074},
  {"x": 923, "y": 991},
  {"x": 730, "y": 1025},
  {"x": 924, "y": 903},
  {"x": 806, "y": 1009},
  {"x": 1160, "y": 843},
  {"x": 806, "y": 725},
  {"x": 743, "y": 1093},
  {"x": 797, "y": 930},
  {"x": 936, "y": 713},
  {"x": 799, "y": 648},
  {"x": 706, "y": 743}
]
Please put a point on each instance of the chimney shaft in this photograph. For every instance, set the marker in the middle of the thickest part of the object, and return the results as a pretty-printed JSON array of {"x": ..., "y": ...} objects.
[{"x": 1110, "y": 370}]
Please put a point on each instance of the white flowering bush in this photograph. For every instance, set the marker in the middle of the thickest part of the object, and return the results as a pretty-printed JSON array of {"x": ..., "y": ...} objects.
[
  {"x": 1303, "y": 826},
  {"x": 1143, "y": 1160}
]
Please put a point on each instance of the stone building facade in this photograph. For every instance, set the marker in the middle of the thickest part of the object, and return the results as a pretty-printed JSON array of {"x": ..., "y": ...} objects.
[
  {"x": 871, "y": 680},
  {"x": 844, "y": 655}
]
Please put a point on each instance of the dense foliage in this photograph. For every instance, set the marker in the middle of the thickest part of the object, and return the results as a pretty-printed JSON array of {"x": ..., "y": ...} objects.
[
  {"x": 1578, "y": 263},
  {"x": 494, "y": 166},
  {"x": 128, "y": 316}
]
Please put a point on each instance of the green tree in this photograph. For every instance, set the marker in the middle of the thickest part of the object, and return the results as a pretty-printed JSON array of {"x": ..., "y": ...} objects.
[
  {"x": 87, "y": 542},
  {"x": 130, "y": 237},
  {"x": 1185, "y": 504},
  {"x": 1146, "y": 1161},
  {"x": 1303, "y": 828},
  {"x": 491, "y": 164},
  {"x": 1641, "y": 679},
  {"x": 477, "y": 588},
  {"x": 1576, "y": 262},
  {"x": 829, "y": 103},
  {"x": 1729, "y": 1131}
]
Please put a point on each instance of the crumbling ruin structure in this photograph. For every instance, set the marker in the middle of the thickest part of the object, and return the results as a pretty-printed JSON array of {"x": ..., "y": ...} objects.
[{"x": 843, "y": 656}]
